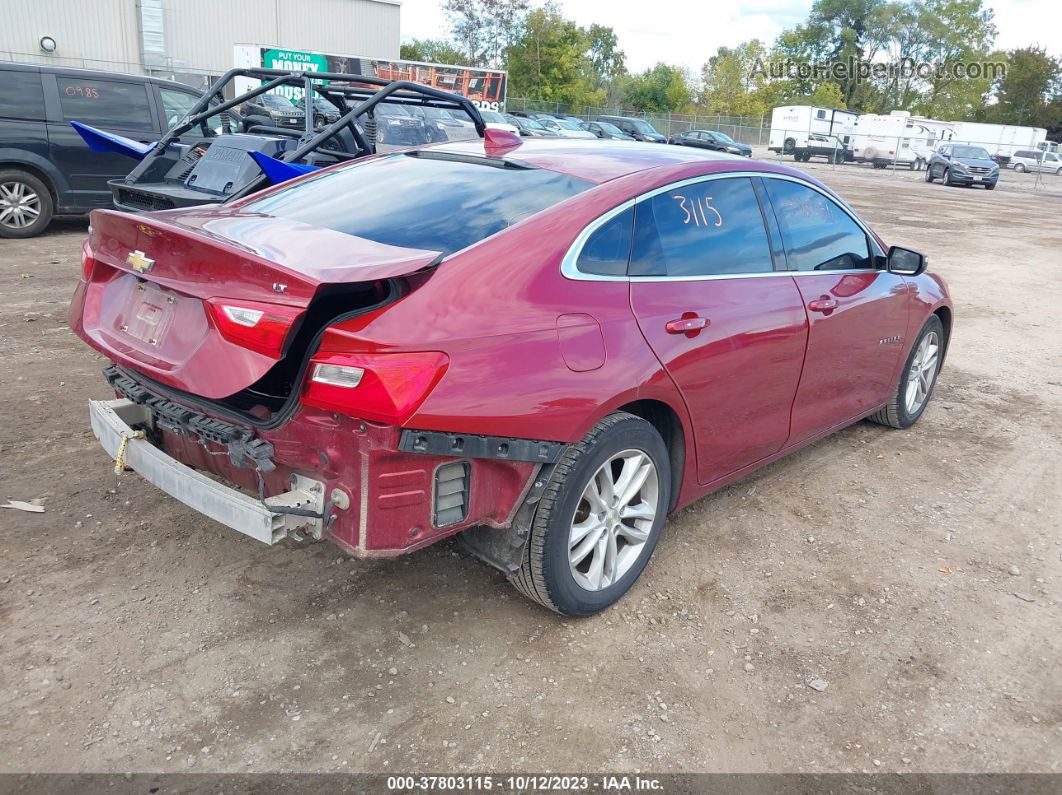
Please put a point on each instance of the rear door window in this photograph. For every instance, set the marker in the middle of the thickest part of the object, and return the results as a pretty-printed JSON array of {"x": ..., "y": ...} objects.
[
  {"x": 428, "y": 200},
  {"x": 21, "y": 95},
  {"x": 106, "y": 103},
  {"x": 818, "y": 235},
  {"x": 708, "y": 228}
]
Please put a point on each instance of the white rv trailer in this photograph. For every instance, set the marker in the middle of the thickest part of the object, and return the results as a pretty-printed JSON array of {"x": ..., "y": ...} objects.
[
  {"x": 1001, "y": 140},
  {"x": 792, "y": 125},
  {"x": 898, "y": 138}
]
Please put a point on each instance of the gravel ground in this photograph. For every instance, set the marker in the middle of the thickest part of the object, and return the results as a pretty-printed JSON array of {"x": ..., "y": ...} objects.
[{"x": 881, "y": 601}]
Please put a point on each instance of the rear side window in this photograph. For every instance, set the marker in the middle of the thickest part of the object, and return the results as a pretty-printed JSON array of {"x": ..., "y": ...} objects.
[
  {"x": 428, "y": 201},
  {"x": 106, "y": 103},
  {"x": 705, "y": 229},
  {"x": 818, "y": 235},
  {"x": 21, "y": 95},
  {"x": 607, "y": 250}
]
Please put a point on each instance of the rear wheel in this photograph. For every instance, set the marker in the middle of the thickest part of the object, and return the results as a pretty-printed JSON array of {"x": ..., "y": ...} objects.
[
  {"x": 1020, "y": 168},
  {"x": 919, "y": 377},
  {"x": 26, "y": 205},
  {"x": 599, "y": 518}
]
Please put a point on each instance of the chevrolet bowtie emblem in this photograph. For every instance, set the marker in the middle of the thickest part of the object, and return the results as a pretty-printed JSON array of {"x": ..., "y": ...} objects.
[{"x": 139, "y": 262}]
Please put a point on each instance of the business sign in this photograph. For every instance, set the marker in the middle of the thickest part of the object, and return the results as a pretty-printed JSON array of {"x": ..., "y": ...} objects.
[{"x": 485, "y": 87}]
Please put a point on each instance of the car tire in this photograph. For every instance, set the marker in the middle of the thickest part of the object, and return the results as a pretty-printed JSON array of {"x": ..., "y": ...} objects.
[
  {"x": 789, "y": 147},
  {"x": 929, "y": 173},
  {"x": 947, "y": 177},
  {"x": 26, "y": 204},
  {"x": 901, "y": 411},
  {"x": 1058, "y": 172},
  {"x": 990, "y": 186},
  {"x": 1020, "y": 168},
  {"x": 547, "y": 574}
]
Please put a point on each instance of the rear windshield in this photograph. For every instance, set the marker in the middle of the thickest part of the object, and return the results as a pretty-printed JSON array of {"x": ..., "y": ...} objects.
[{"x": 427, "y": 201}]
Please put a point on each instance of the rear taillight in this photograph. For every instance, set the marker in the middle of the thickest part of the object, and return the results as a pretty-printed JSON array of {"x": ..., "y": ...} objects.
[
  {"x": 385, "y": 387},
  {"x": 258, "y": 327},
  {"x": 87, "y": 262}
]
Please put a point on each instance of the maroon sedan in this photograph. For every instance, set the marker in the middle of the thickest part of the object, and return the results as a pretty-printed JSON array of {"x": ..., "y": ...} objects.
[{"x": 544, "y": 347}]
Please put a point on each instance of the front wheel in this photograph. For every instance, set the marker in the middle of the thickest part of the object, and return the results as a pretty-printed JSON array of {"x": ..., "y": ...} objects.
[
  {"x": 599, "y": 518},
  {"x": 1020, "y": 168},
  {"x": 947, "y": 177},
  {"x": 929, "y": 173},
  {"x": 919, "y": 376}
]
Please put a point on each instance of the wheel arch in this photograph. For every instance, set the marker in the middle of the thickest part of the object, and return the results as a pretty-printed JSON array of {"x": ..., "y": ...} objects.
[
  {"x": 944, "y": 313},
  {"x": 38, "y": 167},
  {"x": 667, "y": 423}
]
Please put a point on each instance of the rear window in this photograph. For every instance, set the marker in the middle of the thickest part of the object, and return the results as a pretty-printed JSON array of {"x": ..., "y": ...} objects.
[
  {"x": 106, "y": 103},
  {"x": 21, "y": 95},
  {"x": 426, "y": 201}
]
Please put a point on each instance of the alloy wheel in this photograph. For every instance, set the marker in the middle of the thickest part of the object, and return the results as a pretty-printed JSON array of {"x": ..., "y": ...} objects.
[
  {"x": 613, "y": 520},
  {"x": 922, "y": 372},
  {"x": 20, "y": 206}
]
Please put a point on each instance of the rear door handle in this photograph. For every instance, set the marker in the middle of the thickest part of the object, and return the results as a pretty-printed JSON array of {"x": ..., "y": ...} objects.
[
  {"x": 824, "y": 304},
  {"x": 689, "y": 324}
]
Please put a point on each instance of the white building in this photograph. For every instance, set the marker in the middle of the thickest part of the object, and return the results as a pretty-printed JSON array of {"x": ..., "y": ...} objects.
[{"x": 189, "y": 39}]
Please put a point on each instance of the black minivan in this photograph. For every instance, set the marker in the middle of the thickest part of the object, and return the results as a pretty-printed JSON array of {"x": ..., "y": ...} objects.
[{"x": 45, "y": 167}]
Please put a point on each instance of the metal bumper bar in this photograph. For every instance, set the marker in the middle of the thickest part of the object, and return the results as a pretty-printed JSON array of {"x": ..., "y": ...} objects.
[{"x": 113, "y": 424}]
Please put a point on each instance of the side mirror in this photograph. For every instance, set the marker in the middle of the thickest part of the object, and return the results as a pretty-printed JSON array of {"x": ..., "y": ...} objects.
[{"x": 906, "y": 262}]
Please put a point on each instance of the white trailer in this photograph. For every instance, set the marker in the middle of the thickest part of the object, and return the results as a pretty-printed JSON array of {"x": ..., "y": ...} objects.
[
  {"x": 898, "y": 138},
  {"x": 804, "y": 130},
  {"x": 1001, "y": 140}
]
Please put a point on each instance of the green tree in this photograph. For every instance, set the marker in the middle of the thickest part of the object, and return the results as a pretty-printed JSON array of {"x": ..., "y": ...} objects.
[
  {"x": 733, "y": 79},
  {"x": 434, "y": 51},
  {"x": 483, "y": 29},
  {"x": 662, "y": 88},
  {"x": 1025, "y": 94},
  {"x": 549, "y": 59},
  {"x": 958, "y": 32},
  {"x": 606, "y": 59}
]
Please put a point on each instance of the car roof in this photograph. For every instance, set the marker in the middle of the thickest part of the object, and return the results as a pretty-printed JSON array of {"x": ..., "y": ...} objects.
[
  {"x": 594, "y": 161},
  {"x": 74, "y": 71}
]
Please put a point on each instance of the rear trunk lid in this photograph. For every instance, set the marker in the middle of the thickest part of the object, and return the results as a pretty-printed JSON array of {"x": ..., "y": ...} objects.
[{"x": 156, "y": 288}]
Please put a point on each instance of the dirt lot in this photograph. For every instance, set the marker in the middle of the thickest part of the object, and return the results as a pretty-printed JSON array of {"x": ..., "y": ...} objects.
[{"x": 918, "y": 573}]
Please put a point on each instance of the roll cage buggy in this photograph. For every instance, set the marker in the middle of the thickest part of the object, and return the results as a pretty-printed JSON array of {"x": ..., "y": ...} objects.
[{"x": 179, "y": 171}]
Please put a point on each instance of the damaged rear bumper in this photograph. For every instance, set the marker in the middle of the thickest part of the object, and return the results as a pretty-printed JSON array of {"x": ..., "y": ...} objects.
[{"x": 115, "y": 424}]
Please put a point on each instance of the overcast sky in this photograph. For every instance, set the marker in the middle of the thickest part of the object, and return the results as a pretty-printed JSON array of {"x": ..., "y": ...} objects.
[{"x": 686, "y": 32}]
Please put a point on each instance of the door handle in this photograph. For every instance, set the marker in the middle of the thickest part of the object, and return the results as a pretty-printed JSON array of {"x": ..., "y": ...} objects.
[
  {"x": 689, "y": 324},
  {"x": 824, "y": 304}
]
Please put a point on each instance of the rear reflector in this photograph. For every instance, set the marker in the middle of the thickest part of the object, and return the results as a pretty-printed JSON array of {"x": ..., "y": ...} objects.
[
  {"x": 385, "y": 387},
  {"x": 258, "y": 327}
]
